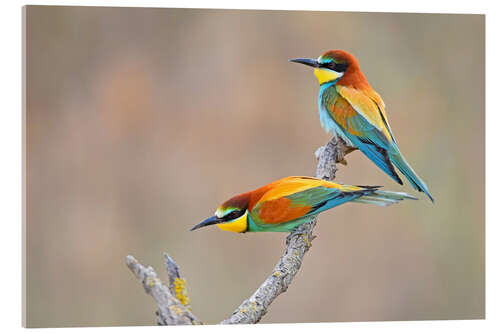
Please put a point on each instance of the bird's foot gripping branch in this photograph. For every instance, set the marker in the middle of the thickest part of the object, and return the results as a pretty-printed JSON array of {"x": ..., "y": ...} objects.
[{"x": 172, "y": 300}]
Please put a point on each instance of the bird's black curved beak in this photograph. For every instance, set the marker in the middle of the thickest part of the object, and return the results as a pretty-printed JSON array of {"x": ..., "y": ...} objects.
[
  {"x": 306, "y": 61},
  {"x": 209, "y": 221}
]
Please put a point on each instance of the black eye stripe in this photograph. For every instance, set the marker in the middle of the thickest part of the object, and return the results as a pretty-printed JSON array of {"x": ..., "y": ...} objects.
[
  {"x": 340, "y": 68},
  {"x": 234, "y": 214}
]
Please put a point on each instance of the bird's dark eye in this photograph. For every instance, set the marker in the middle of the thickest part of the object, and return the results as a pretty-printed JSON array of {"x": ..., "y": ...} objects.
[
  {"x": 234, "y": 214},
  {"x": 340, "y": 68}
]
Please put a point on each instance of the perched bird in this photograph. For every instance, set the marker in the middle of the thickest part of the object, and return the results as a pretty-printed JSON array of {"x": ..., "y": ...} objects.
[
  {"x": 351, "y": 109},
  {"x": 286, "y": 203}
]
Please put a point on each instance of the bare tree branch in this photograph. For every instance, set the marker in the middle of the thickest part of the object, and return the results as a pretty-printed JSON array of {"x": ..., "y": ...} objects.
[
  {"x": 171, "y": 310},
  {"x": 172, "y": 301}
]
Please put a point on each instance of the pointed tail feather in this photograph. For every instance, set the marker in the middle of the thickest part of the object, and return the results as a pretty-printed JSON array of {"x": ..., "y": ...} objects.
[
  {"x": 383, "y": 198},
  {"x": 379, "y": 156},
  {"x": 400, "y": 162}
]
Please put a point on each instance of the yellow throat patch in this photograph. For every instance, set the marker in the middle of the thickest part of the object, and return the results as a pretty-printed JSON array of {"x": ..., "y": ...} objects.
[
  {"x": 238, "y": 225},
  {"x": 326, "y": 75}
]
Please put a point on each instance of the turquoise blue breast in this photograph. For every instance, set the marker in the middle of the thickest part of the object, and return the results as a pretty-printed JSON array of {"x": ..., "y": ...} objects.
[{"x": 327, "y": 94}]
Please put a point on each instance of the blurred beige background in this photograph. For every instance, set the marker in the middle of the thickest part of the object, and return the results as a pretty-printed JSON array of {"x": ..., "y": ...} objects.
[{"x": 140, "y": 122}]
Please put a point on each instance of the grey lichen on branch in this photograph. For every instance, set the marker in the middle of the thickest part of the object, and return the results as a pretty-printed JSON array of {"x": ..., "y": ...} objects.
[{"x": 172, "y": 301}]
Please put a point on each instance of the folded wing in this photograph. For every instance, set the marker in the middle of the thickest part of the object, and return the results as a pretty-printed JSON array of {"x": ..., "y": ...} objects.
[{"x": 302, "y": 197}]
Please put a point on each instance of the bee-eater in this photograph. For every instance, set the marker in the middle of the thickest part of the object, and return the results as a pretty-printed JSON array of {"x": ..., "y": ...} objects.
[
  {"x": 351, "y": 109},
  {"x": 286, "y": 203}
]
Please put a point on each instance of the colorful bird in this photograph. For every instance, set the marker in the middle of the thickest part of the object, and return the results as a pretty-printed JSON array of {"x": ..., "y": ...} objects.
[
  {"x": 286, "y": 203},
  {"x": 351, "y": 109}
]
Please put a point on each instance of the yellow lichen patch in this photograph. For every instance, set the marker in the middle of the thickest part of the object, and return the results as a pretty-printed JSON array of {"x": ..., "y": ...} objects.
[
  {"x": 277, "y": 274},
  {"x": 181, "y": 292},
  {"x": 150, "y": 282},
  {"x": 176, "y": 309},
  {"x": 306, "y": 240}
]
